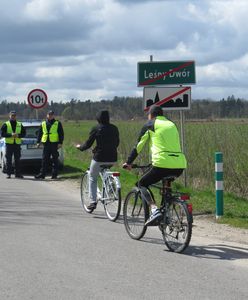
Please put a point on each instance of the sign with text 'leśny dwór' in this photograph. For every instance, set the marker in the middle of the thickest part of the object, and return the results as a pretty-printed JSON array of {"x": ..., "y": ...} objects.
[
  {"x": 169, "y": 98},
  {"x": 166, "y": 73}
]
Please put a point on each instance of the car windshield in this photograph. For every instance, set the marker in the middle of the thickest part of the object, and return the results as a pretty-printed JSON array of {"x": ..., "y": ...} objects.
[{"x": 32, "y": 131}]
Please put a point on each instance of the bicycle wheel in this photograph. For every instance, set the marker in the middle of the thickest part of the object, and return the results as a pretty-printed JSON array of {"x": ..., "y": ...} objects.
[
  {"x": 112, "y": 199},
  {"x": 84, "y": 192},
  {"x": 176, "y": 226},
  {"x": 135, "y": 214}
]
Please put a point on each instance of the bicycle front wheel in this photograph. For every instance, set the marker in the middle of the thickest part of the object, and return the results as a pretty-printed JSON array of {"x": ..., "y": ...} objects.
[
  {"x": 176, "y": 226},
  {"x": 135, "y": 214},
  {"x": 112, "y": 199},
  {"x": 84, "y": 192}
]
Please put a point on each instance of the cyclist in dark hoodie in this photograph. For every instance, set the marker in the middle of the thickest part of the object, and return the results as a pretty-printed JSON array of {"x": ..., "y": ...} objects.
[{"x": 106, "y": 136}]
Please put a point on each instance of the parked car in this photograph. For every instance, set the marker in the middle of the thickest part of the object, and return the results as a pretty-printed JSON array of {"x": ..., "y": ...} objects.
[{"x": 31, "y": 155}]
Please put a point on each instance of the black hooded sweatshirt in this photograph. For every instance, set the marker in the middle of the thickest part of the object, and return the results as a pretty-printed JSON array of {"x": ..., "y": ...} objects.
[{"x": 106, "y": 136}]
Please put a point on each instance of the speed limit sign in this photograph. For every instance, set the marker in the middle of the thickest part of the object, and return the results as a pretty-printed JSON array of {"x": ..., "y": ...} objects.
[{"x": 37, "y": 98}]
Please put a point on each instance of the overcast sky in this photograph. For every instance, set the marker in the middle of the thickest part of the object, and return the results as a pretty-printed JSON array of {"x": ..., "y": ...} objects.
[{"x": 89, "y": 49}]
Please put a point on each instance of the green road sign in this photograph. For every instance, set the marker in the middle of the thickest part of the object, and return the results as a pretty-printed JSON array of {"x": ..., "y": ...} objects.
[{"x": 163, "y": 72}]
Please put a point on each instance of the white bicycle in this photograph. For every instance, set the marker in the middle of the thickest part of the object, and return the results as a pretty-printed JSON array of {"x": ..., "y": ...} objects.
[{"x": 108, "y": 192}]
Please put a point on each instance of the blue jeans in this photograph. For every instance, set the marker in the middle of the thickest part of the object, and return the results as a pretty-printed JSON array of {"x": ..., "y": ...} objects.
[{"x": 93, "y": 175}]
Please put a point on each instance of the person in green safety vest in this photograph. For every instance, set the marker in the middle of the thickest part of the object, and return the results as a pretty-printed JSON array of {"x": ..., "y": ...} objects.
[
  {"x": 51, "y": 135},
  {"x": 13, "y": 132},
  {"x": 166, "y": 155}
]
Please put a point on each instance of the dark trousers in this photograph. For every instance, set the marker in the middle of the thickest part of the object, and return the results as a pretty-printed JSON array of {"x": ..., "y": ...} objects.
[
  {"x": 50, "y": 149},
  {"x": 13, "y": 149},
  {"x": 152, "y": 176}
]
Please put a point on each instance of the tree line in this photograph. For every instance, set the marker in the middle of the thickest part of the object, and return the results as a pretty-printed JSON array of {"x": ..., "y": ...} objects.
[{"x": 126, "y": 108}]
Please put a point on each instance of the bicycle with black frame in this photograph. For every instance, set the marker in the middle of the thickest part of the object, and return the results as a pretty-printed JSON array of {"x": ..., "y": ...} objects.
[{"x": 176, "y": 221}]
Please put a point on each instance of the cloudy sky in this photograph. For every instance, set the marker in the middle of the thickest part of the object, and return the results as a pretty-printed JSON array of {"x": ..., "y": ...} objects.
[{"x": 89, "y": 49}]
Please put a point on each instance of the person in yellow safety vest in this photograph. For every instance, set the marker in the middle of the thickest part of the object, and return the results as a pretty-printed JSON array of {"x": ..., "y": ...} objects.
[
  {"x": 13, "y": 132},
  {"x": 51, "y": 135},
  {"x": 166, "y": 155}
]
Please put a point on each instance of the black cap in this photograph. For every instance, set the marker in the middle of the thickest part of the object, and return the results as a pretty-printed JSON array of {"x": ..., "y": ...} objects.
[
  {"x": 12, "y": 112},
  {"x": 50, "y": 112},
  {"x": 155, "y": 110}
]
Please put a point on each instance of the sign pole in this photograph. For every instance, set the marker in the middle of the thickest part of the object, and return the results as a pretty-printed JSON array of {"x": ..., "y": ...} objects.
[
  {"x": 182, "y": 121},
  {"x": 37, "y": 114}
]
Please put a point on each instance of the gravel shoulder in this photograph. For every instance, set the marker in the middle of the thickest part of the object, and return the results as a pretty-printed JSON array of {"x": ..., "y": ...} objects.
[{"x": 206, "y": 226}]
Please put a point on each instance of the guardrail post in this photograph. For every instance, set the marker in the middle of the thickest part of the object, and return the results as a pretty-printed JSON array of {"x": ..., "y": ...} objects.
[{"x": 219, "y": 184}]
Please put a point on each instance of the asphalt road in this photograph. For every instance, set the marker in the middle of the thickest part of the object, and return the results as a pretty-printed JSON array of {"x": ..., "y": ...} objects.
[{"x": 51, "y": 249}]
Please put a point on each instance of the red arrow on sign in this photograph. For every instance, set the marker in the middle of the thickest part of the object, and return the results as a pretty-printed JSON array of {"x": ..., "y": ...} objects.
[{"x": 159, "y": 103}]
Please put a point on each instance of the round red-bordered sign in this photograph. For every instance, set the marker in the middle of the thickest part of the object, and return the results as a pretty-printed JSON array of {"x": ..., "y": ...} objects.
[{"x": 37, "y": 98}]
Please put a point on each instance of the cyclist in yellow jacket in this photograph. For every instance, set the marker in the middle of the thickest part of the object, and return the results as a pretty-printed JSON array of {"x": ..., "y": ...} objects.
[
  {"x": 51, "y": 135},
  {"x": 167, "y": 157},
  {"x": 13, "y": 131}
]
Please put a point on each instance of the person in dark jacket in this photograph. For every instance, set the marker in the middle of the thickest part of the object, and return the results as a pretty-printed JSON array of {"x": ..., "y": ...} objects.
[
  {"x": 13, "y": 131},
  {"x": 51, "y": 135},
  {"x": 106, "y": 136}
]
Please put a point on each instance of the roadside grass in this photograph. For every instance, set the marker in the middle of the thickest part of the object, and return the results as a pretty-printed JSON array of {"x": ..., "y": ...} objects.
[{"x": 202, "y": 141}]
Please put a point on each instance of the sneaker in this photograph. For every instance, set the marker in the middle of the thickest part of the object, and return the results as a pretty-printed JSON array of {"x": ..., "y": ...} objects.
[
  {"x": 92, "y": 206},
  {"x": 8, "y": 176},
  {"x": 39, "y": 176},
  {"x": 155, "y": 216}
]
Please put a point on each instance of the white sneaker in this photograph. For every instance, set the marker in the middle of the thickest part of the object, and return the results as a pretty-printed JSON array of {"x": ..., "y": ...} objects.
[{"x": 155, "y": 215}]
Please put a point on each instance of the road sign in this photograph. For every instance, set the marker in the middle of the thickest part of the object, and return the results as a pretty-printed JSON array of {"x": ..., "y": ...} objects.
[
  {"x": 164, "y": 73},
  {"x": 169, "y": 98},
  {"x": 37, "y": 98}
]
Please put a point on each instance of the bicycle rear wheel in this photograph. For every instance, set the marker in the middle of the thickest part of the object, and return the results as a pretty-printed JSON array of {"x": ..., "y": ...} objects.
[
  {"x": 177, "y": 226},
  {"x": 112, "y": 201},
  {"x": 84, "y": 192},
  {"x": 135, "y": 214}
]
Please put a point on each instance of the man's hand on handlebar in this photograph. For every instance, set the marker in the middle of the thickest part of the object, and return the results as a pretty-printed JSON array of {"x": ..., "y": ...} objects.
[{"x": 127, "y": 166}]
